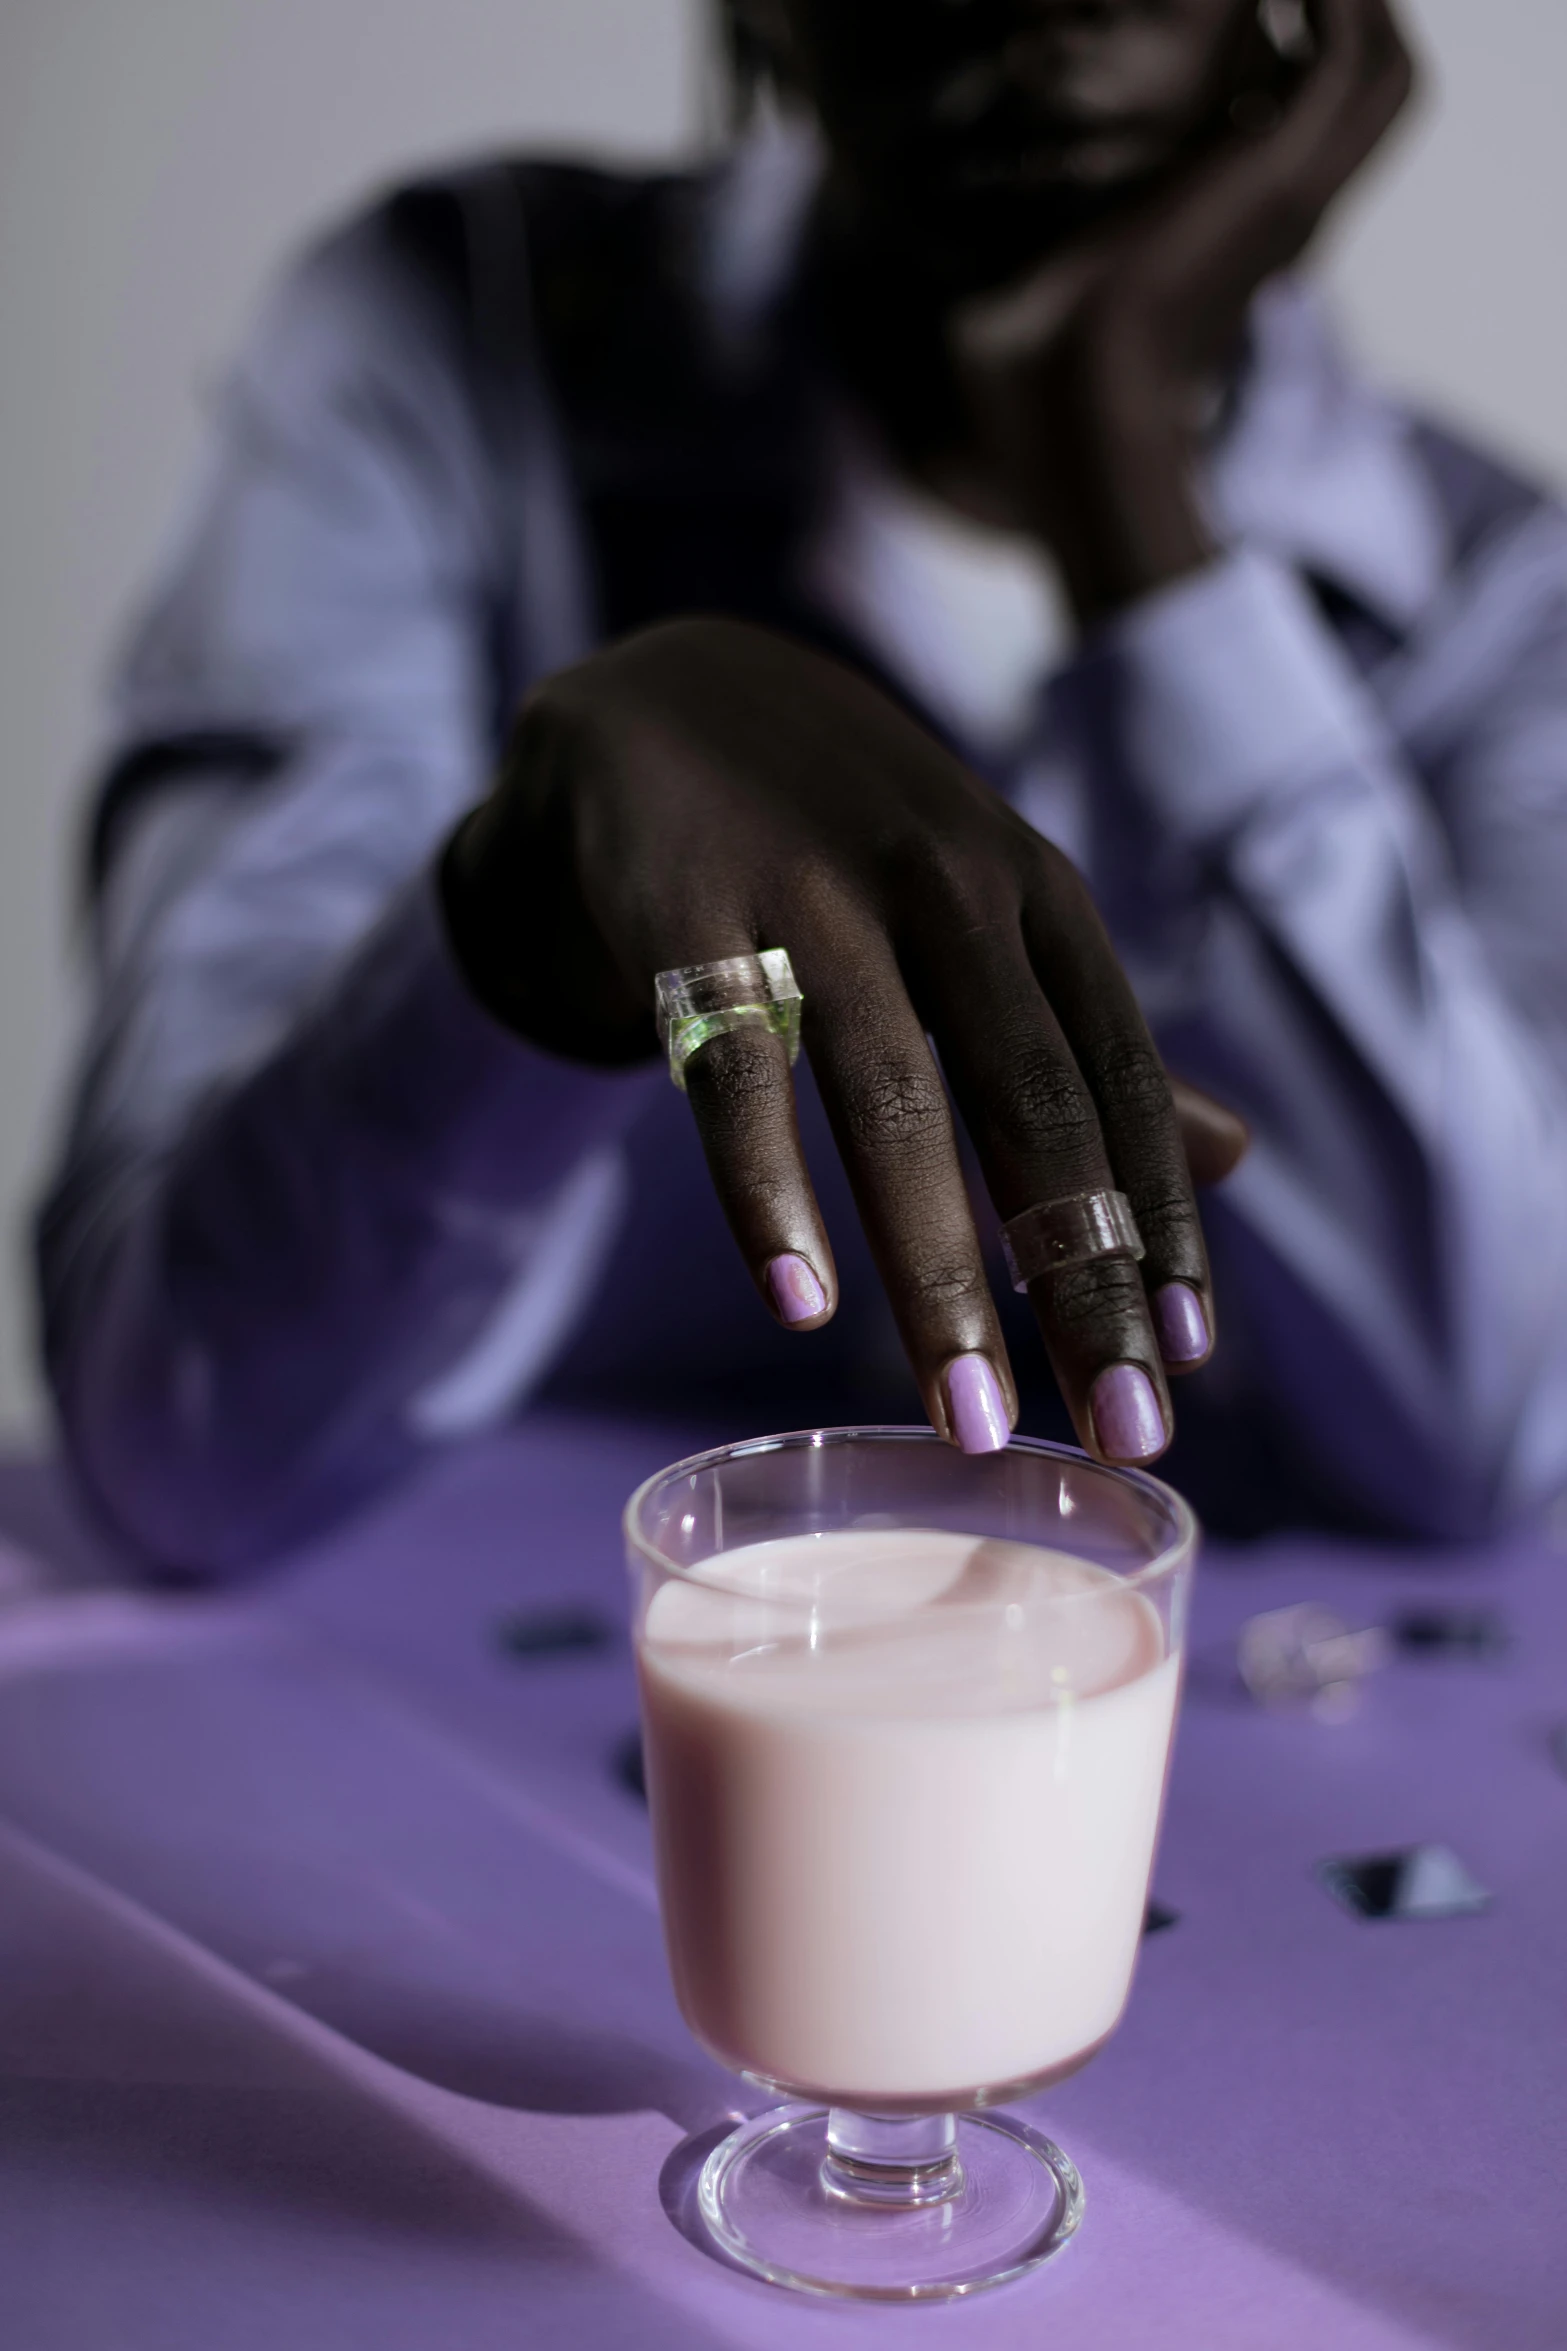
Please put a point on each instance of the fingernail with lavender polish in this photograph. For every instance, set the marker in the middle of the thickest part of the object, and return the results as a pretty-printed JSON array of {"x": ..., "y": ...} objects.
[
  {"x": 975, "y": 1405},
  {"x": 1181, "y": 1323},
  {"x": 1128, "y": 1425},
  {"x": 796, "y": 1293}
]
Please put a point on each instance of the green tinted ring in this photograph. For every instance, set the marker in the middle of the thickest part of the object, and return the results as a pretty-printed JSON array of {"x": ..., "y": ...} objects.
[{"x": 699, "y": 1001}]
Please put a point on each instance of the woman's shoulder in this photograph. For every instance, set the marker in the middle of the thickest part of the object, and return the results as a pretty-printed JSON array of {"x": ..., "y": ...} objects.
[
  {"x": 412, "y": 264},
  {"x": 492, "y": 214}
]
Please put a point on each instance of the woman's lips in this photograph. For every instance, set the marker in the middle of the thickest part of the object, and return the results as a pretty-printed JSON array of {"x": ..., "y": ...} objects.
[
  {"x": 1067, "y": 101},
  {"x": 1077, "y": 157}
]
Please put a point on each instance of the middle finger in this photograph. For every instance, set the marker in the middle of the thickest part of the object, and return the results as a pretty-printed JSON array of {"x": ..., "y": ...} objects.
[
  {"x": 893, "y": 1125},
  {"x": 1040, "y": 1139}
]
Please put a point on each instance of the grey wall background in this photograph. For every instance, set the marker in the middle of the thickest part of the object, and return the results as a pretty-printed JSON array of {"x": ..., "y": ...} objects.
[{"x": 157, "y": 156}]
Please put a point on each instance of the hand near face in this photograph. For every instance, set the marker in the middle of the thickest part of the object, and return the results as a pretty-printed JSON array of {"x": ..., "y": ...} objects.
[{"x": 1086, "y": 377}]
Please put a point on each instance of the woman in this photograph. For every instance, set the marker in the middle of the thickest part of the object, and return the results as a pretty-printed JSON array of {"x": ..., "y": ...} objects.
[{"x": 943, "y": 488}]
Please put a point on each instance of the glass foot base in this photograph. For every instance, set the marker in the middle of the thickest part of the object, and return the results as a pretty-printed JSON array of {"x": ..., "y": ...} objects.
[{"x": 774, "y": 2199}]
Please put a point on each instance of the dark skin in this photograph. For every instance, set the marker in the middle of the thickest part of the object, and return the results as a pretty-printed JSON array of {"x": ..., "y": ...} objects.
[{"x": 1042, "y": 224}]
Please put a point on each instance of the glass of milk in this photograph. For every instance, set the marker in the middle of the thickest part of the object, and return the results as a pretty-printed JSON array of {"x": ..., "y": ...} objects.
[{"x": 907, "y": 1717}]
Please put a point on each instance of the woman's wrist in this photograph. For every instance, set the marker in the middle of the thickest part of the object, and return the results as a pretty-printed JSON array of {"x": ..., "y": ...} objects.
[
  {"x": 1130, "y": 523},
  {"x": 1093, "y": 444}
]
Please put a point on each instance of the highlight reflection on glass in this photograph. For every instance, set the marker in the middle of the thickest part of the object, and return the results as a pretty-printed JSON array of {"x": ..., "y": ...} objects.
[{"x": 907, "y": 1717}]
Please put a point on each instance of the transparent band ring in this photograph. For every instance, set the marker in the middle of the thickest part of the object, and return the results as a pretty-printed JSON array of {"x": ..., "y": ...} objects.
[
  {"x": 1057, "y": 1233},
  {"x": 699, "y": 1001}
]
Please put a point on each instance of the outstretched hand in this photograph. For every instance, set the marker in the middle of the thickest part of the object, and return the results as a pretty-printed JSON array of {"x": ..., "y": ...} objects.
[{"x": 705, "y": 790}]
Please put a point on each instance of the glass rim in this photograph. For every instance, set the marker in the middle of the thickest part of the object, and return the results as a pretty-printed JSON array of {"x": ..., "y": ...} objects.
[{"x": 1182, "y": 1545}]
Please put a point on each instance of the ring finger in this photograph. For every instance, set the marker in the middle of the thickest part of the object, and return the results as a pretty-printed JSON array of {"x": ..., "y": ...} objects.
[{"x": 1036, "y": 1126}]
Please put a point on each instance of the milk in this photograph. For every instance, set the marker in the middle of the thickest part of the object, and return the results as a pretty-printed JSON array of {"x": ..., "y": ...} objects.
[{"x": 905, "y": 1787}]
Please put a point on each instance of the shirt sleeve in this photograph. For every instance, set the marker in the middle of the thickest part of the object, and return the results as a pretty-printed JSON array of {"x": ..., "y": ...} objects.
[
  {"x": 314, "y": 1210},
  {"x": 1313, "y": 885}
]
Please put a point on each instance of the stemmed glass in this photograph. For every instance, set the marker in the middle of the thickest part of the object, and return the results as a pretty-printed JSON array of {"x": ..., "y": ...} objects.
[{"x": 907, "y": 1717}]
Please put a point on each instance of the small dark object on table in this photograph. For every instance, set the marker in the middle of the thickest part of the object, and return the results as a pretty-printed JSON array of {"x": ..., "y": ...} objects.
[
  {"x": 1442, "y": 1631},
  {"x": 1420, "y": 1881},
  {"x": 552, "y": 1632},
  {"x": 626, "y": 1763}
]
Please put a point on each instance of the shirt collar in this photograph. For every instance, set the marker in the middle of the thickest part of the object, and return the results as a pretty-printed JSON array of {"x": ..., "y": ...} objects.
[
  {"x": 1316, "y": 468},
  {"x": 753, "y": 222}
]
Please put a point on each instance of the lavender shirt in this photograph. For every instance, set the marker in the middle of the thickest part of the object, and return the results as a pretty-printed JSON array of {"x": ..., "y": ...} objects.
[{"x": 314, "y": 1213}]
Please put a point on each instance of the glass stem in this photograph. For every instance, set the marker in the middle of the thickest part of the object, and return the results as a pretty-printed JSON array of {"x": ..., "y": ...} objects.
[{"x": 892, "y": 2159}]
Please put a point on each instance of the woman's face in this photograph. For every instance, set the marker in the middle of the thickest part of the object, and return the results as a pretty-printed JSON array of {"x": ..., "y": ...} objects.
[{"x": 978, "y": 132}]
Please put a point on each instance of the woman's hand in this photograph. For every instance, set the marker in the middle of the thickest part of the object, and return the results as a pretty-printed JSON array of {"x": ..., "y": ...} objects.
[
  {"x": 1087, "y": 378},
  {"x": 705, "y": 789}
]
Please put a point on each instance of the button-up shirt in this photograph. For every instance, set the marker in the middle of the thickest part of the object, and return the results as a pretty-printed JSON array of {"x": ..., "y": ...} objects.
[{"x": 315, "y": 1213}]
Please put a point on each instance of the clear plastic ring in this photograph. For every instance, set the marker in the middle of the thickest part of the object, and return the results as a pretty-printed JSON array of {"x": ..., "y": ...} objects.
[
  {"x": 1057, "y": 1233},
  {"x": 699, "y": 1001}
]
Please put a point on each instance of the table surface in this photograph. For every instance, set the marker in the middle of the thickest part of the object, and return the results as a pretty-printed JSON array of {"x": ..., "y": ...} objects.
[{"x": 333, "y": 2010}]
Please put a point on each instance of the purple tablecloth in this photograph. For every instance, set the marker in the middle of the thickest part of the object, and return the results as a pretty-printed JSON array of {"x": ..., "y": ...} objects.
[{"x": 333, "y": 2012}]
